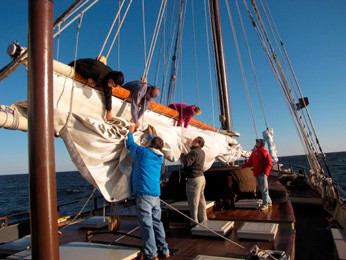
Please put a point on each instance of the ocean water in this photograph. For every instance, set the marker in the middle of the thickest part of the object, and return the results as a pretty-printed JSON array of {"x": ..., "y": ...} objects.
[{"x": 72, "y": 187}]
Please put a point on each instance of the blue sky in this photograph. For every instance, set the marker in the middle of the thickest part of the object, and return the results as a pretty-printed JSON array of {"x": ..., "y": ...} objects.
[{"x": 314, "y": 34}]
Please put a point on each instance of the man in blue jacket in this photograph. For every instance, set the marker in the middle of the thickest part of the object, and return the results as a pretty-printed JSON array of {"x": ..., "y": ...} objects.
[{"x": 146, "y": 187}]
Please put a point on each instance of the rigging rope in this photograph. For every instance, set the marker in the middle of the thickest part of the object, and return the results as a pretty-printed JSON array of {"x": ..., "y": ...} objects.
[
  {"x": 252, "y": 64},
  {"x": 154, "y": 38},
  {"x": 111, "y": 28},
  {"x": 117, "y": 32},
  {"x": 241, "y": 64},
  {"x": 76, "y": 17},
  {"x": 206, "y": 18},
  {"x": 74, "y": 68},
  {"x": 80, "y": 212},
  {"x": 201, "y": 224},
  {"x": 144, "y": 32},
  {"x": 177, "y": 53},
  {"x": 304, "y": 134},
  {"x": 195, "y": 52}
]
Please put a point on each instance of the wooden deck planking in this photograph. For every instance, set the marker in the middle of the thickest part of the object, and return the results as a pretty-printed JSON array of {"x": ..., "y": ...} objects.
[{"x": 179, "y": 236}]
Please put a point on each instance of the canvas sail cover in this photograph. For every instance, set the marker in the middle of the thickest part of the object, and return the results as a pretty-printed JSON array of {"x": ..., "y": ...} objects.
[{"x": 268, "y": 136}]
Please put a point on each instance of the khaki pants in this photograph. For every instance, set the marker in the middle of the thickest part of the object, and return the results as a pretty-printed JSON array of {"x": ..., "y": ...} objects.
[{"x": 195, "y": 198}]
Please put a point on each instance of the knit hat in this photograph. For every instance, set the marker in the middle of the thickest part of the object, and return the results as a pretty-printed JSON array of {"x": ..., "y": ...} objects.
[{"x": 260, "y": 141}]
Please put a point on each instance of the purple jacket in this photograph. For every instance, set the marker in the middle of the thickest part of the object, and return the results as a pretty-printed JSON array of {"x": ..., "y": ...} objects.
[
  {"x": 138, "y": 90},
  {"x": 186, "y": 113}
]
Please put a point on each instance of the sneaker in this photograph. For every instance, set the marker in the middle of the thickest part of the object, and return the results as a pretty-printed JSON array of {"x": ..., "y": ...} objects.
[
  {"x": 163, "y": 256},
  {"x": 264, "y": 207}
]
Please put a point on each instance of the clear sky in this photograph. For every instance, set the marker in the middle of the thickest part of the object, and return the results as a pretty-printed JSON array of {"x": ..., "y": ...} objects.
[{"x": 314, "y": 34}]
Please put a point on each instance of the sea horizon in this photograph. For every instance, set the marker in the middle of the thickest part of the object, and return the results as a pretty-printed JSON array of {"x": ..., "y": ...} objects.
[{"x": 169, "y": 163}]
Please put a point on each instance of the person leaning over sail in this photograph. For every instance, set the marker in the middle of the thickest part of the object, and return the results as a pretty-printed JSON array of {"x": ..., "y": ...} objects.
[
  {"x": 141, "y": 93},
  {"x": 146, "y": 188},
  {"x": 262, "y": 164},
  {"x": 186, "y": 112},
  {"x": 98, "y": 73},
  {"x": 193, "y": 163}
]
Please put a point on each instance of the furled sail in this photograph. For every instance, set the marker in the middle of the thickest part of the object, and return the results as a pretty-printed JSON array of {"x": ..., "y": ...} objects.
[
  {"x": 268, "y": 136},
  {"x": 98, "y": 148}
]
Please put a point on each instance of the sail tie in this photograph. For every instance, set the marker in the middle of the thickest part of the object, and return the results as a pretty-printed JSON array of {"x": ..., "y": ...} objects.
[{"x": 14, "y": 112}]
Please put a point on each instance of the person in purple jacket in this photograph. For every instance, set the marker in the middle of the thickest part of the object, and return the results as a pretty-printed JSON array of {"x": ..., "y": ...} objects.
[
  {"x": 146, "y": 175},
  {"x": 186, "y": 112},
  {"x": 141, "y": 94}
]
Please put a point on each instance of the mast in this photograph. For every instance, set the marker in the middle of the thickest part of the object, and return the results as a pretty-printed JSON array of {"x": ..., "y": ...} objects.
[
  {"x": 220, "y": 66},
  {"x": 43, "y": 199}
]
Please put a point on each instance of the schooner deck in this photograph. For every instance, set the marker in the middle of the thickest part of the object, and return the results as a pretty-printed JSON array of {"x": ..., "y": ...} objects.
[{"x": 185, "y": 245}]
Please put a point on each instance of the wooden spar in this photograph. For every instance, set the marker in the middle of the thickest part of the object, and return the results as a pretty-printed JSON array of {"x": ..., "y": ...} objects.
[
  {"x": 43, "y": 198},
  {"x": 8, "y": 121},
  {"x": 220, "y": 66},
  {"x": 122, "y": 93}
]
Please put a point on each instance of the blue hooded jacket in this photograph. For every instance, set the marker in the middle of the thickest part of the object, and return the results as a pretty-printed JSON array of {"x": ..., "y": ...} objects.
[{"x": 146, "y": 170}]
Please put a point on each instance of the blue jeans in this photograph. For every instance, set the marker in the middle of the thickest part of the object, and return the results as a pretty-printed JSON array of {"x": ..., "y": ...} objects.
[
  {"x": 149, "y": 218},
  {"x": 262, "y": 183}
]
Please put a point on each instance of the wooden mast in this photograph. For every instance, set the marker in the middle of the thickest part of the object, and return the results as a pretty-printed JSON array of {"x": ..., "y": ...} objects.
[
  {"x": 220, "y": 66},
  {"x": 43, "y": 198}
]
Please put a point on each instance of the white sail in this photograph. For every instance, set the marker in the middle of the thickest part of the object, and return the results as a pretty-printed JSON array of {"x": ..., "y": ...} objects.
[{"x": 98, "y": 148}]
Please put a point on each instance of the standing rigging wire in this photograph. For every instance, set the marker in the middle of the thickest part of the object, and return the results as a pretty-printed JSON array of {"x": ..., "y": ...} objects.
[
  {"x": 252, "y": 64},
  {"x": 144, "y": 32},
  {"x": 241, "y": 64},
  {"x": 306, "y": 114},
  {"x": 119, "y": 42},
  {"x": 176, "y": 53},
  {"x": 280, "y": 82},
  {"x": 119, "y": 27},
  {"x": 74, "y": 67},
  {"x": 117, "y": 16},
  {"x": 195, "y": 51},
  {"x": 60, "y": 19},
  {"x": 154, "y": 38},
  {"x": 309, "y": 143},
  {"x": 206, "y": 18},
  {"x": 168, "y": 53}
]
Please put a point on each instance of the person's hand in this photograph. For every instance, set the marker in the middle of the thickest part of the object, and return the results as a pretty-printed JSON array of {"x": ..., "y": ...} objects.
[
  {"x": 137, "y": 125},
  {"x": 150, "y": 130},
  {"x": 109, "y": 115},
  {"x": 132, "y": 128},
  {"x": 91, "y": 82}
]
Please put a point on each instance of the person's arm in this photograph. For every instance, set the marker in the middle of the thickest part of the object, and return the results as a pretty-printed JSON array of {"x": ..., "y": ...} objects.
[
  {"x": 107, "y": 91},
  {"x": 130, "y": 143},
  {"x": 268, "y": 163},
  {"x": 187, "y": 121},
  {"x": 249, "y": 161},
  {"x": 189, "y": 159},
  {"x": 143, "y": 108}
]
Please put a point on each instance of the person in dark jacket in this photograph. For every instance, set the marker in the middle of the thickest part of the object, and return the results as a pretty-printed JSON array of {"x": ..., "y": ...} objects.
[
  {"x": 97, "y": 73},
  {"x": 141, "y": 94},
  {"x": 262, "y": 163},
  {"x": 195, "y": 181},
  {"x": 146, "y": 175}
]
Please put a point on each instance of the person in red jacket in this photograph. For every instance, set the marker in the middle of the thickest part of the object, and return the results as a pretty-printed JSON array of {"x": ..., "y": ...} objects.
[
  {"x": 262, "y": 163},
  {"x": 186, "y": 112}
]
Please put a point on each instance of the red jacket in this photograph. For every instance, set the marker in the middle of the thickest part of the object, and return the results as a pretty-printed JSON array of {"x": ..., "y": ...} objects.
[{"x": 261, "y": 161}]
